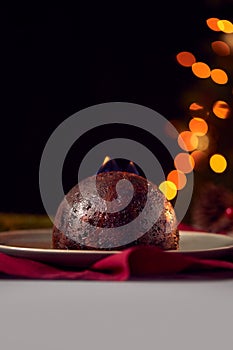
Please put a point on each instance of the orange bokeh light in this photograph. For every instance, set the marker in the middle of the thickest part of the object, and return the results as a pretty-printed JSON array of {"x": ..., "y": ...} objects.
[
  {"x": 219, "y": 76},
  {"x": 221, "y": 109},
  {"x": 185, "y": 58},
  {"x": 198, "y": 126},
  {"x": 184, "y": 162},
  {"x": 195, "y": 107},
  {"x": 187, "y": 140},
  {"x": 221, "y": 48},
  {"x": 178, "y": 178},
  {"x": 212, "y": 23},
  {"x": 201, "y": 70},
  {"x": 198, "y": 157}
]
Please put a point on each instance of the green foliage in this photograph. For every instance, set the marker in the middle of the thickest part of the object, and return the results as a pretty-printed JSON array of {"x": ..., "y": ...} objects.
[{"x": 14, "y": 221}]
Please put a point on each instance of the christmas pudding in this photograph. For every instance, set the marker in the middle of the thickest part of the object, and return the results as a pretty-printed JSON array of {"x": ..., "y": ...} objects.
[{"x": 112, "y": 211}]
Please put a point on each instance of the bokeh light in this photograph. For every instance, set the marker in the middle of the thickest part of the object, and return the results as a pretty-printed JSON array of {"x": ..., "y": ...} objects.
[
  {"x": 178, "y": 178},
  {"x": 198, "y": 126},
  {"x": 212, "y": 23},
  {"x": 203, "y": 143},
  {"x": 225, "y": 26},
  {"x": 228, "y": 39},
  {"x": 169, "y": 189},
  {"x": 195, "y": 107},
  {"x": 185, "y": 58},
  {"x": 218, "y": 163},
  {"x": 221, "y": 109},
  {"x": 201, "y": 140},
  {"x": 201, "y": 70},
  {"x": 187, "y": 140},
  {"x": 184, "y": 162},
  {"x": 221, "y": 48},
  {"x": 199, "y": 158},
  {"x": 219, "y": 76}
]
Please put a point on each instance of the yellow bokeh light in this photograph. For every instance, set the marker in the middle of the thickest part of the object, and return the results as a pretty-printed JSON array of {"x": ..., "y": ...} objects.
[
  {"x": 185, "y": 58},
  {"x": 184, "y": 162},
  {"x": 212, "y": 23},
  {"x": 195, "y": 107},
  {"x": 221, "y": 109},
  {"x": 201, "y": 70},
  {"x": 169, "y": 189},
  {"x": 218, "y": 163},
  {"x": 187, "y": 140},
  {"x": 220, "y": 48},
  {"x": 219, "y": 76},
  {"x": 225, "y": 26},
  {"x": 198, "y": 126},
  {"x": 203, "y": 143},
  {"x": 178, "y": 178}
]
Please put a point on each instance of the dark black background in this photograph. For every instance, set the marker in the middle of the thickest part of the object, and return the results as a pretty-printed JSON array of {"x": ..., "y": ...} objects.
[{"x": 57, "y": 60}]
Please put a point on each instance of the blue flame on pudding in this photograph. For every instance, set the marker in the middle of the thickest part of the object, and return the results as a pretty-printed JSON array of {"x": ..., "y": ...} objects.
[{"x": 120, "y": 164}]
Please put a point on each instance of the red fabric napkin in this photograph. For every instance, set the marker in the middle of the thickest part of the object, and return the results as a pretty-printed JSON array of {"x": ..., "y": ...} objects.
[
  {"x": 141, "y": 262},
  {"x": 133, "y": 263}
]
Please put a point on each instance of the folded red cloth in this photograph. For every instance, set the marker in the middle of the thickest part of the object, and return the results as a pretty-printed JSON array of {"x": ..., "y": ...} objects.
[
  {"x": 139, "y": 262},
  {"x": 186, "y": 227}
]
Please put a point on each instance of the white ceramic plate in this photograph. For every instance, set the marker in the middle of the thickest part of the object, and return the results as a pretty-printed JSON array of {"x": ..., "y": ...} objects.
[{"x": 36, "y": 244}]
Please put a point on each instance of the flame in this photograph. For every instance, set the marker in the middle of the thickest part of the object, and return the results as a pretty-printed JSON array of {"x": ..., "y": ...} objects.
[
  {"x": 132, "y": 168},
  {"x": 106, "y": 159},
  {"x": 104, "y": 165},
  {"x": 116, "y": 165}
]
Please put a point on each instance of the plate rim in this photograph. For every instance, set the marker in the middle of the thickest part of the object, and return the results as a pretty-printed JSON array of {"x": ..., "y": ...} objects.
[{"x": 105, "y": 252}]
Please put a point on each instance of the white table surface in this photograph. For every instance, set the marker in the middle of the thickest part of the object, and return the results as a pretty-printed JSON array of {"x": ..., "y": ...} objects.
[{"x": 116, "y": 315}]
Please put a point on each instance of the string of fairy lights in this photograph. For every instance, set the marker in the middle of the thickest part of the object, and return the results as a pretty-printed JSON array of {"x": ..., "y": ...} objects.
[{"x": 196, "y": 140}]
